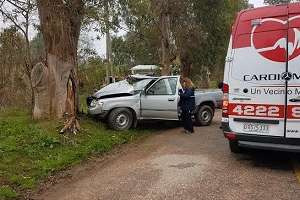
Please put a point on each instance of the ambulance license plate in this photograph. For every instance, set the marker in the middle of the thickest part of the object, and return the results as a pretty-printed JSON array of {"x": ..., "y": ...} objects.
[{"x": 256, "y": 128}]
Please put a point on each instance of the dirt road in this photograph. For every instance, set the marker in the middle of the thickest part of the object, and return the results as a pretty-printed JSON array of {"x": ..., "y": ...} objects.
[{"x": 172, "y": 165}]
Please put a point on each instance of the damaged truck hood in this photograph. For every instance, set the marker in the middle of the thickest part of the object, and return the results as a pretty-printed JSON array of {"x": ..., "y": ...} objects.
[{"x": 118, "y": 89}]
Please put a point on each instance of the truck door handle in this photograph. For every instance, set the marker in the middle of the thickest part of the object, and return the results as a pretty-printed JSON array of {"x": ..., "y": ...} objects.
[
  {"x": 171, "y": 99},
  {"x": 295, "y": 100}
]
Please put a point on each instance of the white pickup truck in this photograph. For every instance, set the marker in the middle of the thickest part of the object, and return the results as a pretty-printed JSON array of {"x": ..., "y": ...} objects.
[{"x": 124, "y": 103}]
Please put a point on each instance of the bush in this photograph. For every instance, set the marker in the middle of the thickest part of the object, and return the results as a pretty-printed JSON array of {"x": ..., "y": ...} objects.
[
  {"x": 7, "y": 192},
  {"x": 92, "y": 74}
]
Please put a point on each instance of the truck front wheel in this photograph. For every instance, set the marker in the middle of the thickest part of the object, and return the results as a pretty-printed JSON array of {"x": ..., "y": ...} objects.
[
  {"x": 204, "y": 115},
  {"x": 120, "y": 119}
]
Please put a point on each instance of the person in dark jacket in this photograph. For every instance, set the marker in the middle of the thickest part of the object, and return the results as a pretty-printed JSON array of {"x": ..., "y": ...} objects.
[{"x": 187, "y": 104}]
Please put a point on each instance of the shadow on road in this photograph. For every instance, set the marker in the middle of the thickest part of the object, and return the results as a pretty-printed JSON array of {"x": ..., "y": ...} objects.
[
  {"x": 269, "y": 159},
  {"x": 158, "y": 125},
  {"x": 161, "y": 125}
]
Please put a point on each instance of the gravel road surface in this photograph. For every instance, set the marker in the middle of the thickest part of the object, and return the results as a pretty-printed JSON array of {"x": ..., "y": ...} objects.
[{"x": 172, "y": 165}]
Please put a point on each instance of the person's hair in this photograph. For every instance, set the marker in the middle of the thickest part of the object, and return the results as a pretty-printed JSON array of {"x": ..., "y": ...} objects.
[{"x": 188, "y": 82}]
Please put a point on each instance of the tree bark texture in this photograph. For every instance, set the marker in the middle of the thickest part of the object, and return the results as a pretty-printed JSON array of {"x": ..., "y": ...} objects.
[
  {"x": 161, "y": 8},
  {"x": 55, "y": 82},
  {"x": 186, "y": 63},
  {"x": 165, "y": 28}
]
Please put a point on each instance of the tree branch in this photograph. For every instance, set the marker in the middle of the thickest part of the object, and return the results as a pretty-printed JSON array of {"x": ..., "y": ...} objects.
[
  {"x": 1, "y": 3},
  {"x": 13, "y": 21},
  {"x": 16, "y": 5}
]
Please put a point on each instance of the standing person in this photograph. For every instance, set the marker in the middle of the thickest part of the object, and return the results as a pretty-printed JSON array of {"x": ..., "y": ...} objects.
[{"x": 187, "y": 104}]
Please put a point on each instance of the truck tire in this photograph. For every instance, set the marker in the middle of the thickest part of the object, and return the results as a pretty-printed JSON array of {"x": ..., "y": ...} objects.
[
  {"x": 204, "y": 115},
  {"x": 120, "y": 119},
  {"x": 234, "y": 147}
]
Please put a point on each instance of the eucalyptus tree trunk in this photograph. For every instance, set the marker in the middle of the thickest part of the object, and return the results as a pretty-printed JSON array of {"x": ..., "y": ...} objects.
[
  {"x": 108, "y": 43},
  {"x": 165, "y": 28},
  {"x": 55, "y": 81},
  {"x": 161, "y": 8},
  {"x": 186, "y": 63}
]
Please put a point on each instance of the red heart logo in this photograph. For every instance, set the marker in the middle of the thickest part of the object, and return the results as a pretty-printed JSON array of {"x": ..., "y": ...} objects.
[{"x": 270, "y": 39}]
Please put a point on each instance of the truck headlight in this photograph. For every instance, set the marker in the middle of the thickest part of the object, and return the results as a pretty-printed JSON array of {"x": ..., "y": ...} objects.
[
  {"x": 95, "y": 103},
  {"x": 100, "y": 104}
]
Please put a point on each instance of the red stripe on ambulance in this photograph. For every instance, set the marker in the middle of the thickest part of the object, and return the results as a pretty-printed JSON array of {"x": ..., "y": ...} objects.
[
  {"x": 293, "y": 112},
  {"x": 261, "y": 110},
  {"x": 257, "y": 110}
]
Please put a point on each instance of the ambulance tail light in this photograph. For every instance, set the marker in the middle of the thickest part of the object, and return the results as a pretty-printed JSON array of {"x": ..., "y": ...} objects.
[
  {"x": 231, "y": 136},
  {"x": 225, "y": 100}
]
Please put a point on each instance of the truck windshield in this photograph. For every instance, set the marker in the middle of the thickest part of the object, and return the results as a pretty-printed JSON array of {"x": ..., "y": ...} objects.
[{"x": 139, "y": 85}]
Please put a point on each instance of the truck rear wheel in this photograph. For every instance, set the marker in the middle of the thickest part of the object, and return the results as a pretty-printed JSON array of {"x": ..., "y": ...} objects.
[
  {"x": 204, "y": 116},
  {"x": 120, "y": 119}
]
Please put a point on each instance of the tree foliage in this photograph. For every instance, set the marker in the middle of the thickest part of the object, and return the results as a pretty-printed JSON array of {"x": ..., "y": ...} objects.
[
  {"x": 195, "y": 33},
  {"x": 141, "y": 42},
  {"x": 199, "y": 35},
  {"x": 19, "y": 13},
  {"x": 133, "y": 49},
  {"x": 208, "y": 45},
  {"x": 12, "y": 69},
  {"x": 274, "y": 2}
]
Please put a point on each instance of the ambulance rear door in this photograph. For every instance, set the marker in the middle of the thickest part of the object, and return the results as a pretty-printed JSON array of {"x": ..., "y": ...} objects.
[
  {"x": 292, "y": 75},
  {"x": 256, "y": 89}
]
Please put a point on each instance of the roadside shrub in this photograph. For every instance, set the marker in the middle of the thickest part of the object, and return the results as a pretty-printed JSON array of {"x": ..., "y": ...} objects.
[{"x": 7, "y": 192}]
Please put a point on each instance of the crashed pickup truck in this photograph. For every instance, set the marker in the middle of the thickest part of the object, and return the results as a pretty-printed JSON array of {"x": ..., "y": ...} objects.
[{"x": 124, "y": 103}]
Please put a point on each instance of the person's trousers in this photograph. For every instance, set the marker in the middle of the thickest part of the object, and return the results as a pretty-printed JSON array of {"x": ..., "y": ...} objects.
[{"x": 187, "y": 121}]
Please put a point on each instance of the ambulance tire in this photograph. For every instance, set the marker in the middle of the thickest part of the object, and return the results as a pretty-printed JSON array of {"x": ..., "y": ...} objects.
[{"x": 234, "y": 147}]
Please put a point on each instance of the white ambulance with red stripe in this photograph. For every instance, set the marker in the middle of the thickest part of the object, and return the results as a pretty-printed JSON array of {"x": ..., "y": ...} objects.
[{"x": 261, "y": 105}]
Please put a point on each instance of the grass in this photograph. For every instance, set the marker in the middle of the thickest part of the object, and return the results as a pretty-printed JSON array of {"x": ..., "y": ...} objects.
[
  {"x": 7, "y": 192},
  {"x": 82, "y": 101},
  {"x": 31, "y": 151}
]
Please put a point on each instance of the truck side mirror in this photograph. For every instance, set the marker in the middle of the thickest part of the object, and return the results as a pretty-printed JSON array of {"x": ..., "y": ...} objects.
[{"x": 149, "y": 92}]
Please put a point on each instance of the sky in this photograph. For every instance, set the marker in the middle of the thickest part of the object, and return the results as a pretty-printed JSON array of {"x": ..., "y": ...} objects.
[{"x": 257, "y": 3}]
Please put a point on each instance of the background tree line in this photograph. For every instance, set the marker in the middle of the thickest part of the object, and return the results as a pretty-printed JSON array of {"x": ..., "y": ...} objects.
[
  {"x": 50, "y": 70},
  {"x": 196, "y": 41}
]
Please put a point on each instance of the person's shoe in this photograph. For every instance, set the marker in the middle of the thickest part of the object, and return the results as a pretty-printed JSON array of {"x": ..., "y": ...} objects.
[{"x": 188, "y": 132}]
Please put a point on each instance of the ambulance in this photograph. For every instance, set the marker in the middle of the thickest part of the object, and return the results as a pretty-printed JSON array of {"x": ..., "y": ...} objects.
[{"x": 261, "y": 103}]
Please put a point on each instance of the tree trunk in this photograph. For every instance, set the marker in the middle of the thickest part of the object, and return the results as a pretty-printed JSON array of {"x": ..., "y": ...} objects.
[
  {"x": 186, "y": 64},
  {"x": 161, "y": 8},
  {"x": 165, "y": 43},
  {"x": 55, "y": 83},
  {"x": 108, "y": 43},
  {"x": 205, "y": 77},
  {"x": 28, "y": 68}
]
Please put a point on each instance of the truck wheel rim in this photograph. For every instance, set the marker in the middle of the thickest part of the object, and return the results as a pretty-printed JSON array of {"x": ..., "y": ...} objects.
[
  {"x": 122, "y": 120},
  {"x": 205, "y": 115}
]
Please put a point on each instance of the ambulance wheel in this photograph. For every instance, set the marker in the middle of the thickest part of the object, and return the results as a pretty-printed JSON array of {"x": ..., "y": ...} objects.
[
  {"x": 234, "y": 147},
  {"x": 204, "y": 116}
]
